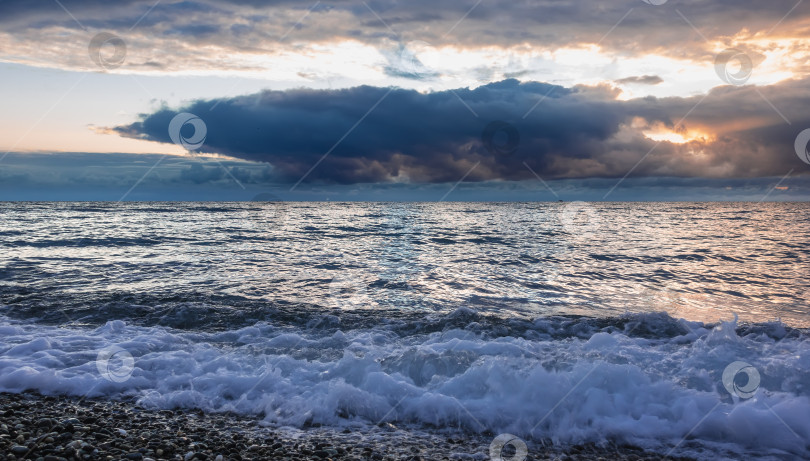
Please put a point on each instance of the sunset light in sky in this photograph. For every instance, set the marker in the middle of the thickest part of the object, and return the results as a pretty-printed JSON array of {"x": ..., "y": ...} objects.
[{"x": 626, "y": 77}]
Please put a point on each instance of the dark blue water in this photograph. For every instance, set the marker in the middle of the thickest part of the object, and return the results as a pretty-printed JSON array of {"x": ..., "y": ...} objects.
[
  {"x": 561, "y": 322},
  {"x": 697, "y": 261}
]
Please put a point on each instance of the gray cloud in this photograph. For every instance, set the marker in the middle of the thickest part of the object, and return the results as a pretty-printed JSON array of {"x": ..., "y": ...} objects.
[
  {"x": 434, "y": 137},
  {"x": 116, "y": 172},
  {"x": 267, "y": 26},
  {"x": 641, "y": 80},
  {"x": 107, "y": 177}
]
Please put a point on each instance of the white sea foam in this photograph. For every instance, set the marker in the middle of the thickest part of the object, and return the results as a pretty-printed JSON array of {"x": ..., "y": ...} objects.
[{"x": 604, "y": 386}]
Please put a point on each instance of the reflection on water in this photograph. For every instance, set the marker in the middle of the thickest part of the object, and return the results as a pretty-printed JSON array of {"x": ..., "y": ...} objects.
[{"x": 693, "y": 260}]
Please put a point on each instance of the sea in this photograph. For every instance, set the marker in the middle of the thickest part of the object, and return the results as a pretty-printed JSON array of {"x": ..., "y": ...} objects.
[{"x": 676, "y": 327}]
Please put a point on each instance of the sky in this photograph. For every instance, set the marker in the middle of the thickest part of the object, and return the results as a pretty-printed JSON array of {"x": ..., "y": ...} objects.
[{"x": 404, "y": 100}]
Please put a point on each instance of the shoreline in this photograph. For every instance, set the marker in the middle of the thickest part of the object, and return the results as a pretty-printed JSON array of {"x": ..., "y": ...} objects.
[{"x": 67, "y": 428}]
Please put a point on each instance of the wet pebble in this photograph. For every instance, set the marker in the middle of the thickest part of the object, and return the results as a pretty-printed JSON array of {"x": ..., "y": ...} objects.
[{"x": 44, "y": 428}]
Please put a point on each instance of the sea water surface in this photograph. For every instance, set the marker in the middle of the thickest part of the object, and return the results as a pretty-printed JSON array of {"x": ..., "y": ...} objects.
[{"x": 560, "y": 323}]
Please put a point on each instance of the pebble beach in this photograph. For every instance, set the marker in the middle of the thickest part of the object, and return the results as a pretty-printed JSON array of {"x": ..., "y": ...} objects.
[{"x": 46, "y": 428}]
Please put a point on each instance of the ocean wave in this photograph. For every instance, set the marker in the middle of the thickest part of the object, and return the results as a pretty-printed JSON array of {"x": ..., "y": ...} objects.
[{"x": 644, "y": 379}]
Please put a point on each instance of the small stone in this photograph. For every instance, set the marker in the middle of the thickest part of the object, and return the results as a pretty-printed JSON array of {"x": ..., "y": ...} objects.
[
  {"x": 122, "y": 432},
  {"x": 135, "y": 456},
  {"x": 70, "y": 424},
  {"x": 55, "y": 458},
  {"x": 19, "y": 450},
  {"x": 46, "y": 422}
]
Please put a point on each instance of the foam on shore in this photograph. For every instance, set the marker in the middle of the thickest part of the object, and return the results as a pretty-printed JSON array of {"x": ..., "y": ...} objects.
[{"x": 662, "y": 392}]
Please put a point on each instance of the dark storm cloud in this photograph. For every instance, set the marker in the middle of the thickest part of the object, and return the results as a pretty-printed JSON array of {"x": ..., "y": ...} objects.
[{"x": 435, "y": 137}]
